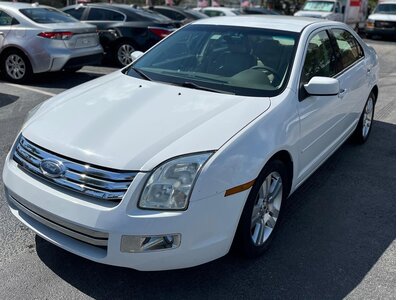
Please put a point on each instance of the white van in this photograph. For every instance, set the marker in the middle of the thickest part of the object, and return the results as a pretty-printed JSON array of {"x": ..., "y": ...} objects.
[{"x": 351, "y": 12}]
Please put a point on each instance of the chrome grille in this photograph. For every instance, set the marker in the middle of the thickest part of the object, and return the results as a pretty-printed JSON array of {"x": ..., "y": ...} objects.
[
  {"x": 385, "y": 24},
  {"x": 80, "y": 177}
]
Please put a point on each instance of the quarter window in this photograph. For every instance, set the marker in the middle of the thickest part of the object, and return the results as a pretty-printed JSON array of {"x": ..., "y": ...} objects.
[
  {"x": 5, "y": 19},
  {"x": 98, "y": 14},
  {"x": 349, "y": 49},
  {"x": 319, "y": 58}
]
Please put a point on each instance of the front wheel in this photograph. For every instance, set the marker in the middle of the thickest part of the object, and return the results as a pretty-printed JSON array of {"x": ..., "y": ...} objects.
[
  {"x": 364, "y": 125},
  {"x": 262, "y": 212}
]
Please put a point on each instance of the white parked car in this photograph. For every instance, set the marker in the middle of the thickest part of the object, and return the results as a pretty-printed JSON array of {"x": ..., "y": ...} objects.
[
  {"x": 220, "y": 11},
  {"x": 195, "y": 146}
]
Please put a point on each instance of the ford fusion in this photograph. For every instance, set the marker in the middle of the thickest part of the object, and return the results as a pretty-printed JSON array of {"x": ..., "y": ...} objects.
[{"x": 193, "y": 148}]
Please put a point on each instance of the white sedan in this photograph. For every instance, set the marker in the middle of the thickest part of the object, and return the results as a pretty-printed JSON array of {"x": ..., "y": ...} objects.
[{"x": 196, "y": 146}]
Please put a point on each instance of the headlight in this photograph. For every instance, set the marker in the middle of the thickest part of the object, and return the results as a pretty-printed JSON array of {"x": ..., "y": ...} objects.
[
  {"x": 370, "y": 23},
  {"x": 170, "y": 185},
  {"x": 31, "y": 113}
]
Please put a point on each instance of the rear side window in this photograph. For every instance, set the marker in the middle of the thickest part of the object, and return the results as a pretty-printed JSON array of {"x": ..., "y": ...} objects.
[
  {"x": 46, "y": 15},
  {"x": 5, "y": 19},
  {"x": 99, "y": 14},
  {"x": 349, "y": 49},
  {"x": 214, "y": 13},
  {"x": 171, "y": 14},
  {"x": 319, "y": 58},
  {"x": 76, "y": 12}
]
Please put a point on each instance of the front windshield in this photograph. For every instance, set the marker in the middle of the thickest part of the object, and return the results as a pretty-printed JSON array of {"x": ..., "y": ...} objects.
[
  {"x": 319, "y": 6},
  {"x": 386, "y": 9},
  {"x": 237, "y": 60}
]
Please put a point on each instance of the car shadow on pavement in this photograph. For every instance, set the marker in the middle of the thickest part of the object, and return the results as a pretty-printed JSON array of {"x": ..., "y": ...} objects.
[
  {"x": 336, "y": 227},
  {"x": 6, "y": 99},
  {"x": 62, "y": 80}
]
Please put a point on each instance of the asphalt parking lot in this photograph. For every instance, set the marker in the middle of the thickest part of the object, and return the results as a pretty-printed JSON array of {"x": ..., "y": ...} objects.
[{"x": 337, "y": 239}]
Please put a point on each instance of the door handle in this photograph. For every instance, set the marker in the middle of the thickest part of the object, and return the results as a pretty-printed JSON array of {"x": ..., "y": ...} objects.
[
  {"x": 342, "y": 93},
  {"x": 368, "y": 70},
  {"x": 1, "y": 33}
]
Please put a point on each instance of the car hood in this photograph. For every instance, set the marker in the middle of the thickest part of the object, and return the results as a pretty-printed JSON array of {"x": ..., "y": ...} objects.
[
  {"x": 126, "y": 123},
  {"x": 382, "y": 17}
]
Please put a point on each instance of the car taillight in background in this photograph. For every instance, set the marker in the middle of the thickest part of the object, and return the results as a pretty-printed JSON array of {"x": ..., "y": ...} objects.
[
  {"x": 64, "y": 35},
  {"x": 160, "y": 32}
]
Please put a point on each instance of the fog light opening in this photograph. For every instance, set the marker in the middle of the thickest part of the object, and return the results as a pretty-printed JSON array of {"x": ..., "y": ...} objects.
[{"x": 135, "y": 244}]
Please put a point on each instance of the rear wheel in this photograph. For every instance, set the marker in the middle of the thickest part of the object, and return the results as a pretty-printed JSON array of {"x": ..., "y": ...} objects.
[
  {"x": 262, "y": 211},
  {"x": 364, "y": 125},
  {"x": 123, "y": 53},
  {"x": 15, "y": 66}
]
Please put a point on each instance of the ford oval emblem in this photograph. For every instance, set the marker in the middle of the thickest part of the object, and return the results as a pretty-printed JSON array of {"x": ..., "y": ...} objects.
[{"x": 52, "y": 168}]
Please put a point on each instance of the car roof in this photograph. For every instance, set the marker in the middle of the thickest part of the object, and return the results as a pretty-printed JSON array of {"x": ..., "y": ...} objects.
[
  {"x": 220, "y": 8},
  {"x": 287, "y": 23},
  {"x": 20, "y": 5},
  {"x": 175, "y": 8}
]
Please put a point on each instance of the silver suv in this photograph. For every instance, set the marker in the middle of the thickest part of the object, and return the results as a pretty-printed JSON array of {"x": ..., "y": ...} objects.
[{"x": 36, "y": 38}]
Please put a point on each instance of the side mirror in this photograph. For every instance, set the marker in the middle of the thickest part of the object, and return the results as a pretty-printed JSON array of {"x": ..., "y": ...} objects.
[
  {"x": 322, "y": 86},
  {"x": 136, "y": 54}
]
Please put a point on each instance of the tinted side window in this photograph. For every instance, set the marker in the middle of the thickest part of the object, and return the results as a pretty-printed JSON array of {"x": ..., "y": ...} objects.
[
  {"x": 214, "y": 13},
  {"x": 99, "y": 14},
  {"x": 349, "y": 49},
  {"x": 76, "y": 12},
  {"x": 319, "y": 58},
  {"x": 171, "y": 14},
  {"x": 5, "y": 19}
]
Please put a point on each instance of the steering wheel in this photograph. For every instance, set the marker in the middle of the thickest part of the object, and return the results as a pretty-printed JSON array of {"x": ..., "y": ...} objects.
[{"x": 270, "y": 70}]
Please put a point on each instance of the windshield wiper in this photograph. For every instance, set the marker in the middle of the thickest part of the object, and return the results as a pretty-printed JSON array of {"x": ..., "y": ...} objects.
[
  {"x": 141, "y": 73},
  {"x": 193, "y": 85}
]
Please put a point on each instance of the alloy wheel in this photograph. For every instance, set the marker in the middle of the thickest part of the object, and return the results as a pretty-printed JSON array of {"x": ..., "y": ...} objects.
[
  {"x": 367, "y": 117},
  {"x": 15, "y": 66},
  {"x": 266, "y": 208},
  {"x": 124, "y": 54}
]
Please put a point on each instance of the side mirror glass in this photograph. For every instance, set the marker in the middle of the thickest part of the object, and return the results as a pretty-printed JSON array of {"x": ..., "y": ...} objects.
[
  {"x": 136, "y": 54},
  {"x": 322, "y": 86}
]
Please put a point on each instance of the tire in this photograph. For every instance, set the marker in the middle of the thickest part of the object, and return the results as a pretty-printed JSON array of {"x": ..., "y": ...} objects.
[
  {"x": 122, "y": 53},
  {"x": 364, "y": 125},
  {"x": 250, "y": 241},
  {"x": 15, "y": 66},
  {"x": 368, "y": 36}
]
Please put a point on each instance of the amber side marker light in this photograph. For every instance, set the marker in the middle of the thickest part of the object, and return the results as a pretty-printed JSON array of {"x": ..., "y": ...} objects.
[{"x": 239, "y": 188}]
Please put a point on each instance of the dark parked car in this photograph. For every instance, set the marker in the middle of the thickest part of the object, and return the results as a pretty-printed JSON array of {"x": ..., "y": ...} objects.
[
  {"x": 178, "y": 14},
  {"x": 259, "y": 11},
  {"x": 123, "y": 28}
]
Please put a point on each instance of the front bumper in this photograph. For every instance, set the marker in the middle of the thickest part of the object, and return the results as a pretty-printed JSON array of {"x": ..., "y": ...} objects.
[
  {"x": 380, "y": 31},
  {"x": 207, "y": 227},
  {"x": 57, "y": 59}
]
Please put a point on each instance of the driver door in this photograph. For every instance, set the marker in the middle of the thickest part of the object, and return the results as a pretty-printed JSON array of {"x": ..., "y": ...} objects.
[{"x": 320, "y": 116}]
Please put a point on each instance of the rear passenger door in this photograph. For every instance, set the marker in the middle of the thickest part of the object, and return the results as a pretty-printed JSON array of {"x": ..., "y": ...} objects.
[
  {"x": 352, "y": 74},
  {"x": 106, "y": 21}
]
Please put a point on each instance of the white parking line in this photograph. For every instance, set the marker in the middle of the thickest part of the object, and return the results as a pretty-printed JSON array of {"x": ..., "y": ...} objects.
[{"x": 30, "y": 89}]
